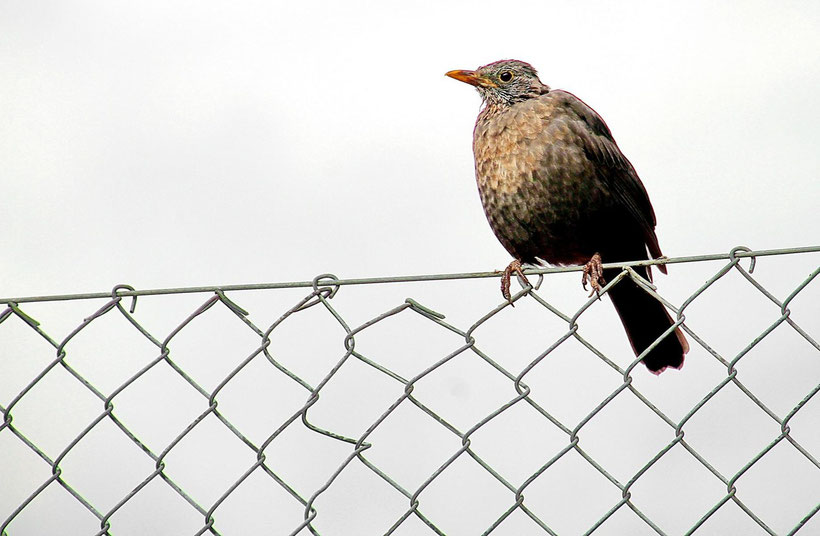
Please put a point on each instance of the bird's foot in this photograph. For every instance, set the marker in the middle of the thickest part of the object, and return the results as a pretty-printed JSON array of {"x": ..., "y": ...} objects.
[
  {"x": 594, "y": 275},
  {"x": 513, "y": 268}
]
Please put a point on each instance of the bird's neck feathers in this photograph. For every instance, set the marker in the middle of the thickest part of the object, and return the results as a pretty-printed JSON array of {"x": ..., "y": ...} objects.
[
  {"x": 500, "y": 102},
  {"x": 497, "y": 101}
]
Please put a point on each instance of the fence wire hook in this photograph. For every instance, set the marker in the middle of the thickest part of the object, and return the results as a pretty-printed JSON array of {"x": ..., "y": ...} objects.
[
  {"x": 133, "y": 298},
  {"x": 733, "y": 256},
  {"x": 334, "y": 288},
  {"x": 320, "y": 293}
]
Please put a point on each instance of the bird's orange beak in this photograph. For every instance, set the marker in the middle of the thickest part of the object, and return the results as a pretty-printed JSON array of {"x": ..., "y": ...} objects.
[{"x": 470, "y": 77}]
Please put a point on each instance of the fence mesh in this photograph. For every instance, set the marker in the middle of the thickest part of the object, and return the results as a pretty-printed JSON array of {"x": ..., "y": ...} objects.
[{"x": 170, "y": 444}]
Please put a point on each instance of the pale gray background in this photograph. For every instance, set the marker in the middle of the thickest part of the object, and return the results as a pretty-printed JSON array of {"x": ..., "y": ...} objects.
[{"x": 196, "y": 143}]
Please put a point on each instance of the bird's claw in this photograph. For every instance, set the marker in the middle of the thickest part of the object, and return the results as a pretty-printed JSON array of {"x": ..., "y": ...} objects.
[
  {"x": 594, "y": 275},
  {"x": 513, "y": 268}
]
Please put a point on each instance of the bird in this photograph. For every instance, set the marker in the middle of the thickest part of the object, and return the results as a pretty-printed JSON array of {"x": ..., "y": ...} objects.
[{"x": 556, "y": 188}]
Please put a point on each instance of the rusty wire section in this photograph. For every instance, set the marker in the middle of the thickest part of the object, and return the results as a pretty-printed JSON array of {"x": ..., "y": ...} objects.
[{"x": 123, "y": 300}]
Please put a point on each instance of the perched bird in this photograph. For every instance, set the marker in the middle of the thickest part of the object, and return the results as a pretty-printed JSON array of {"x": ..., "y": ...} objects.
[{"x": 556, "y": 188}]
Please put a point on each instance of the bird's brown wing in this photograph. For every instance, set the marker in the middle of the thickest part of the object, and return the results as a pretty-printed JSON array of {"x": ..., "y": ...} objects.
[{"x": 616, "y": 170}]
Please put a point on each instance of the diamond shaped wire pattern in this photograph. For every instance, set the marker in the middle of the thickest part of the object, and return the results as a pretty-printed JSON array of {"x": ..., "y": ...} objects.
[{"x": 532, "y": 417}]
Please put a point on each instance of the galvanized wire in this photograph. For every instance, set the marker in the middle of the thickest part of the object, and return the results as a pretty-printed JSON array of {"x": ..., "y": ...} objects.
[{"x": 322, "y": 289}]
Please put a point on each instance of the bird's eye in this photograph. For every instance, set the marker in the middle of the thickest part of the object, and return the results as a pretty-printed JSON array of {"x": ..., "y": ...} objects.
[{"x": 505, "y": 76}]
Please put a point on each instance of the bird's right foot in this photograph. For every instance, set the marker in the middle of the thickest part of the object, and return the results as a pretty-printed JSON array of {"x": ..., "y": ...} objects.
[
  {"x": 594, "y": 275},
  {"x": 513, "y": 268}
]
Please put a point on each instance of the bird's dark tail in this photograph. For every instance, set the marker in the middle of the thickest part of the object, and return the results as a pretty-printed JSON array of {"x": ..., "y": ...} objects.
[{"x": 645, "y": 319}]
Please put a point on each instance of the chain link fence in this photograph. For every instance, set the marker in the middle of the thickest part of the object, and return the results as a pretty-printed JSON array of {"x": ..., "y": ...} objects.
[{"x": 158, "y": 412}]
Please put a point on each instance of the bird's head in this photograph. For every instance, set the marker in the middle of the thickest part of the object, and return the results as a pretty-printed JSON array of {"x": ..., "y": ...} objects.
[{"x": 503, "y": 82}]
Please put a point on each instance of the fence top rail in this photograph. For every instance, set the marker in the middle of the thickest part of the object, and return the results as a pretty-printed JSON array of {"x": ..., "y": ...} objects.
[{"x": 324, "y": 279}]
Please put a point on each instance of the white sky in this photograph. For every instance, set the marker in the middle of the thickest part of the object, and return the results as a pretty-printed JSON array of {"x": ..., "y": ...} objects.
[
  {"x": 210, "y": 143},
  {"x": 165, "y": 144}
]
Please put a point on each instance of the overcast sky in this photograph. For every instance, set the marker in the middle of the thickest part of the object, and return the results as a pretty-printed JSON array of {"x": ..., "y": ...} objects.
[
  {"x": 191, "y": 143},
  {"x": 166, "y": 144}
]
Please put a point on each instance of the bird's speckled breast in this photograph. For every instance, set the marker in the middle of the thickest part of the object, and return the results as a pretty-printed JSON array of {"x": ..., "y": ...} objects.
[{"x": 535, "y": 180}]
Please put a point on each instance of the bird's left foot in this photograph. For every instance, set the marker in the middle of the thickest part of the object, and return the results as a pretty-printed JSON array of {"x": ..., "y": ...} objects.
[
  {"x": 594, "y": 275},
  {"x": 513, "y": 268}
]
